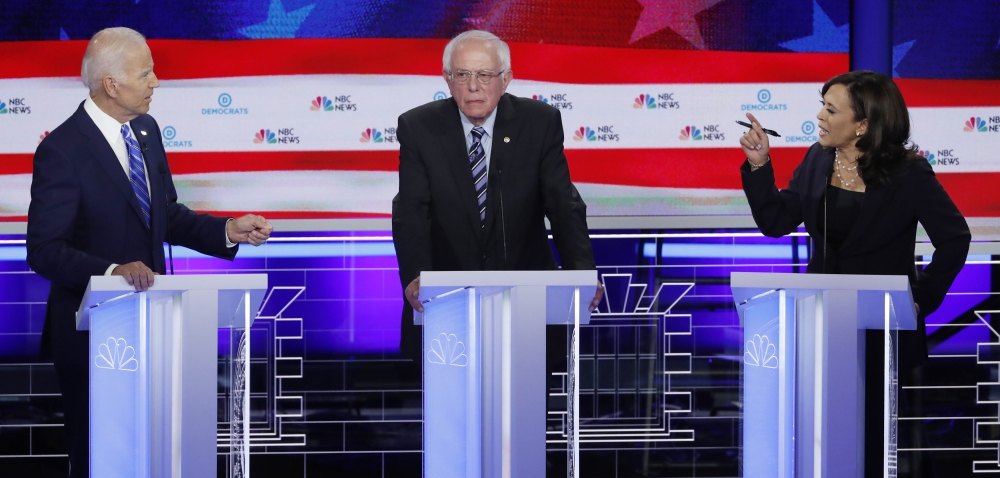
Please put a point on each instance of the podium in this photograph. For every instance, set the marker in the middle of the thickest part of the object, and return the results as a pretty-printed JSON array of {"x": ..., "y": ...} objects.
[
  {"x": 484, "y": 368},
  {"x": 155, "y": 392},
  {"x": 804, "y": 384}
]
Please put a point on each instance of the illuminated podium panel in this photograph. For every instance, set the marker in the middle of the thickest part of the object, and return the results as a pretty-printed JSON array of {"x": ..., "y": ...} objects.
[
  {"x": 484, "y": 368},
  {"x": 803, "y": 390},
  {"x": 155, "y": 359}
]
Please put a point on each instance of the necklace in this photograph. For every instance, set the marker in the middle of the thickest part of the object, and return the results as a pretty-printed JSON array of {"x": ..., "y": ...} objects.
[{"x": 847, "y": 184}]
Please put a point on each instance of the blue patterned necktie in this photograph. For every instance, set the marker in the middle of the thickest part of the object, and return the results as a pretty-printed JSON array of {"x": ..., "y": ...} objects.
[
  {"x": 137, "y": 172},
  {"x": 477, "y": 161}
]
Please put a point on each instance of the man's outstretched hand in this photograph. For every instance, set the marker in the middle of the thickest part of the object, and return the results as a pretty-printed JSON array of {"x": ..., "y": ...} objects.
[{"x": 250, "y": 229}]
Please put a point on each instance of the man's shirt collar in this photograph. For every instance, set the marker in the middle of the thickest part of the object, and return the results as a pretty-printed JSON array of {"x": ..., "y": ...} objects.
[
  {"x": 487, "y": 125},
  {"x": 109, "y": 127}
]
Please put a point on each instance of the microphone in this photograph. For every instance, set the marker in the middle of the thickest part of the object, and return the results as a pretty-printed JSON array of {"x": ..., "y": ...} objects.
[
  {"x": 826, "y": 213},
  {"x": 170, "y": 247},
  {"x": 503, "y": 224}
]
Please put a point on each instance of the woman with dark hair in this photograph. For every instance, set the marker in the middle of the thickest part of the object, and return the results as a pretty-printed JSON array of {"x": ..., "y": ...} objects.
[{"x": 861, "y": 190}]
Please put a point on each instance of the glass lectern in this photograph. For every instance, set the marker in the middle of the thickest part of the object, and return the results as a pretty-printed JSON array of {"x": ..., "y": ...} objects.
[
  {"x": 154, "y": 373},
  {"x": 804, "y": 384},
  {"x": 484, "y": 368}
]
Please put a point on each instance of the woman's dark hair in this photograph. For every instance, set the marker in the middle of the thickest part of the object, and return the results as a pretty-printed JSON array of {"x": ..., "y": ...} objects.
[{"x": 886, "y": 146}]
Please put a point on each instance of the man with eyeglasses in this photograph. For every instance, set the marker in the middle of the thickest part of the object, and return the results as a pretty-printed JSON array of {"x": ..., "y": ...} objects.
[{"x": 478, "y": 174}]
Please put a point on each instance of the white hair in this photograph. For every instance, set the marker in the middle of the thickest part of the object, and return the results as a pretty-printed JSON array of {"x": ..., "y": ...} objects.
[
  {"x": 501, "y": 48},
  {"x": 105, "y": 55}
]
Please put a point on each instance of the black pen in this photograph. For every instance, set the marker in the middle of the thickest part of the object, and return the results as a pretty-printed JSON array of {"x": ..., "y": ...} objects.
[{"x": 768, "y": 131}]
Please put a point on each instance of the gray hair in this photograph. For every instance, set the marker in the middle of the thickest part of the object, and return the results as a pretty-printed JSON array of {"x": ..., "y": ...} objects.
[
  {"x": 501, "y": 48},
  {"x": 106, "y": 53}
]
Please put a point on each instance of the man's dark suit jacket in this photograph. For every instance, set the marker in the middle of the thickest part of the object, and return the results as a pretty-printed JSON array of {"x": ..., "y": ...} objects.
[
  {"x": 83, "y": 217},
  {"x": 883, "y": 238},
  {"x": 435, "y": 219}
]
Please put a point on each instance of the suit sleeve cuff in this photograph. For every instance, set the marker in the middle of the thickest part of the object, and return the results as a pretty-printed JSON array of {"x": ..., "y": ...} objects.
[{"x": 225, "y": 231}]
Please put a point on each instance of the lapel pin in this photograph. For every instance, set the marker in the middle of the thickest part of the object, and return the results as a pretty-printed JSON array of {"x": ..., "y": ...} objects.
[
  {"x": 143, "y": 132},
  {"x": 506, "y": 139}
]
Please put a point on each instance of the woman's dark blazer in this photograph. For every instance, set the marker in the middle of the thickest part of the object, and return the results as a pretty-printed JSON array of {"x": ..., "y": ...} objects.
[{"x": 884, "y": 235}]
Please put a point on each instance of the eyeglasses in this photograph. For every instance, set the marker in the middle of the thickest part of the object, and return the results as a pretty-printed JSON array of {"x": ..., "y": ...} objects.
[{"x": 484, "y": 77}]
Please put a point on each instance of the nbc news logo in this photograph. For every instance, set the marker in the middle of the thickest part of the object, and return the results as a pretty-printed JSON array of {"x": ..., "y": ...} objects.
[
  {"x": 710, "y": 132},
  {"x": 337, "y": 103},
  {"x": 559, "y": 100},
  {"x": 943, "y": 157},
  {"x": 660, "y": 101},
  {"x": 976, "y": 124},
  {"x": 601, "y": 133},
  {"x": 281, "y": 135},
  {"x": 374, "y": 135},
  {"x": 691, "y": 133},
  {"x": 14, "y": 106}
]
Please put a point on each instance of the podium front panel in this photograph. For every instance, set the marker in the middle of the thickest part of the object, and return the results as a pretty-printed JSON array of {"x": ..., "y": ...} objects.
[
  {"x": 768, "y": 388},
  {"x": 155, "y": 392},
  {"x": 805, "y": 395},
  {"x": 452, "y": 437},
  {"x": 119, "y": 387},
  {"x": 484, "y": 360},
  {"x": 234, "y": 358},
  {"x": 890, "y": 388}
]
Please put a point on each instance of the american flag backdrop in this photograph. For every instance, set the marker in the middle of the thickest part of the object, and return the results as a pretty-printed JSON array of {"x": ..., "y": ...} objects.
[{"x": 289, "y": 107}]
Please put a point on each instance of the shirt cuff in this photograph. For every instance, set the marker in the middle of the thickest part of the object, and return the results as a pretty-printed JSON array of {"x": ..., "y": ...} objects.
[
  {"x": 111, "y": 268},
  {"x": 225, "y": 231}
]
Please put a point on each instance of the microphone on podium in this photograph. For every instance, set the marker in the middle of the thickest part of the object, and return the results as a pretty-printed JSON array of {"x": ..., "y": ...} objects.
[{"x": 170, "y": 247}]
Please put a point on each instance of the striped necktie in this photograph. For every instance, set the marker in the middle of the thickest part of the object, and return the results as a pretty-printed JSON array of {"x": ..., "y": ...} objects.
[
  {"x": 137, "y": 172},
  {"x": 477, "y": 161}
]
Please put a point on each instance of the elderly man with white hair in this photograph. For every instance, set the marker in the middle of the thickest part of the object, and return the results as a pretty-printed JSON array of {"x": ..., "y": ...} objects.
[
  {"x": 102, "y": 203},
  {"x": 478, "y": 174}
]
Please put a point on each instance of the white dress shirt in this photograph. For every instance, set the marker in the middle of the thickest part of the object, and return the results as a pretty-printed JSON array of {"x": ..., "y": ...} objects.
[
  {"x": 487, "y": 140},
  {"x": 112, "y": 131}
]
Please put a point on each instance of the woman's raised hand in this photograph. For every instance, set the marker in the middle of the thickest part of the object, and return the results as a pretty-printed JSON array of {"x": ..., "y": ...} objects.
[{"x": 755, "y": 142}]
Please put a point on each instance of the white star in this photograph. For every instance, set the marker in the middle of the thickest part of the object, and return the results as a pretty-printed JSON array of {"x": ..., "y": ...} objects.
[
  {"x": 279, "y": 24},
  {"x": 676, "y": 14},
  {"x": 898, "y": 52}
]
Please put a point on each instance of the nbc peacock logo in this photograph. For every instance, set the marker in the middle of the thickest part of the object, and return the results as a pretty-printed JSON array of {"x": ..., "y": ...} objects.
[
  {"x": 559, "y": 101},
  {"x": 644, "y": 101},
  {"x": 584, "y": 134},
  {"x": 691, "y": 132},
  {"x": 265, "y": 136},
  {"x": 3, "y": 108},
  {"x": 929, "y": 156},
  {"x": 321, "y": 103},
  {"x": 975, "y": 124},
  {"x": 371, "y": 135},
  {"x": 658, "y": 101},
  {"x": 941, "y": 158}
]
